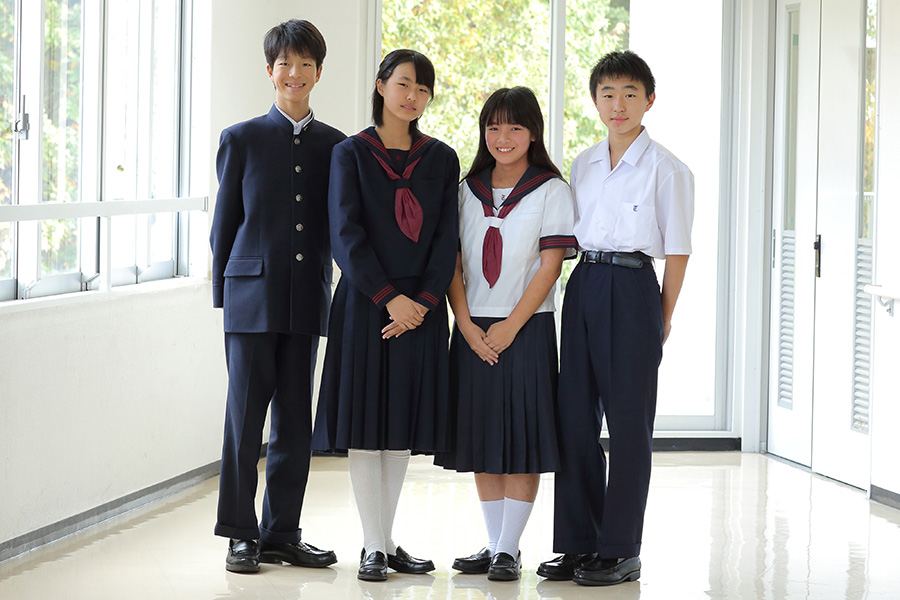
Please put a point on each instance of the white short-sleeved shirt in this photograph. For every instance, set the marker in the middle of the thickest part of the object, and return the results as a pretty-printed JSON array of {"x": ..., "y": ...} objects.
[
  {"x": 645, "y": 204},
  {"x": 542, "y": 219}
]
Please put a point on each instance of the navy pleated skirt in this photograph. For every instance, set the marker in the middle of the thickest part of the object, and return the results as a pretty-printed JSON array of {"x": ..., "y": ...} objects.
[
  {"x": 503, "y": 416},
  {"x": 381, "y": 394}
]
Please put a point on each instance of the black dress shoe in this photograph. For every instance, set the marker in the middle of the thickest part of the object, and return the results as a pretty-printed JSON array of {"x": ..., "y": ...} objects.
[
  {"x": 474, "y": 564},
  {"x": 372, "y": 567},
  {"x": 608, "y": 571},
  {"x": 404, "y": 563},
  {"x": 504, "y": 567},
  {"x": 243, "y": 556},
  {"x": 300, "y": 554},
  {"x": 562, "y": 568}
]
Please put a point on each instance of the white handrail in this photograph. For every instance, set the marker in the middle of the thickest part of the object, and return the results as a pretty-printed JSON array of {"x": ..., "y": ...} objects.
[
  {"x": 885, "y": 295},
  {"x": 109, "y": 208}
]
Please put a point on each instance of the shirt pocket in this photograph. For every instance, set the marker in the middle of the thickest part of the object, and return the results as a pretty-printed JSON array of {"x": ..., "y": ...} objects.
[{"x": 634, "y": 225}]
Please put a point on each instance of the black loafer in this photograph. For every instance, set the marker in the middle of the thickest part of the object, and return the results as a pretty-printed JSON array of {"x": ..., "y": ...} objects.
[
  {"x": 602, "y": 571},
  {"x": 372, "y": 567},
  {"x": 300, "y": 554},
  {"x": 243, "y": 556},
  {"x": 404, "y": 563},
  {"x": 504, "y": 567},
  {"x": 562, "y": 568},
  {"x": 474, "y": 564}
]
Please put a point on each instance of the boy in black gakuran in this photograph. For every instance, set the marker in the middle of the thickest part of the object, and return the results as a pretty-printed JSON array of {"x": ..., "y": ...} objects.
[
  {"x": 272, "y": 275},
  {"x": 634, "y": 202}
]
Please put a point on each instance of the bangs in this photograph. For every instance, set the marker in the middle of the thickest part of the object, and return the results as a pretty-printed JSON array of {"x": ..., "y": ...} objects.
[
  {"x": 424, "y": 70},
  {"x": 516, "y": 106}
]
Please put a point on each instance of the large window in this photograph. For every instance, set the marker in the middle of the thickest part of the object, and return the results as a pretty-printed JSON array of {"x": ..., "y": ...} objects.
[
  {"x": 478, "y": 47},
  {"x": 92, "y": 103}
]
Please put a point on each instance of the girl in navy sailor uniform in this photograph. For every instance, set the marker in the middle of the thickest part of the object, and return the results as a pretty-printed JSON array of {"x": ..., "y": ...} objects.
[
  {"x": 516, "y": 216},
  {"x": 393, "y": 217}
]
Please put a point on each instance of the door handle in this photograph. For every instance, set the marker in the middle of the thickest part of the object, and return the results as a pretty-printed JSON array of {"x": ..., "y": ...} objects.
[{"x": 817, "y": 246}]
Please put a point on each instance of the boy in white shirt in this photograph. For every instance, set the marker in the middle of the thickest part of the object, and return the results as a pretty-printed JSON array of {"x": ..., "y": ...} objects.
[{"x": 634, "y": 202}]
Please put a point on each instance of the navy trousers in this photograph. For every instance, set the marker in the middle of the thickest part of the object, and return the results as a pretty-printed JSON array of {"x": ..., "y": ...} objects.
[
  {"x": 610, "y": 352},
  {"x": 266, "y": 368}
]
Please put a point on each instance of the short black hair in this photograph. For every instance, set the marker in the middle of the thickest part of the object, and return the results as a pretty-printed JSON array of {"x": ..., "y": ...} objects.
[
  {"x": 295, "y": 35},
  {"x": 622, "y": 64},
  {"x": 424, "y": 76},
  {"x": 519, "y": 106}
]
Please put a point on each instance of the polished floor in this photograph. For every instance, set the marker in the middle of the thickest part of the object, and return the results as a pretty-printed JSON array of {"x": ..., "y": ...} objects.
[{"x": 719, "y": 526}]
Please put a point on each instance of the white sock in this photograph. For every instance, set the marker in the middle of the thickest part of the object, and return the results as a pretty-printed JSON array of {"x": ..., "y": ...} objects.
[
  {"x": 493, "y": 521},
  {"x": 515, "y": 517},
  {"x": 393, "y": 472},
  {"x": 365, "y": 475}
]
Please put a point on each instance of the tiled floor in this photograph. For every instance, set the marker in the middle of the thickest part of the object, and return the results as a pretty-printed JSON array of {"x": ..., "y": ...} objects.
[{"x": 719, "y": 525}]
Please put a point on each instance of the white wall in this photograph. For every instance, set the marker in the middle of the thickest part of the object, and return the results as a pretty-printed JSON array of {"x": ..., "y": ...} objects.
[{"x": 106, "y": 394}]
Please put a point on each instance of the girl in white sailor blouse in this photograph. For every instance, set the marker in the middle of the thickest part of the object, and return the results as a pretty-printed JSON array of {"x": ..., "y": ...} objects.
[{"x": 515, "y": 219}]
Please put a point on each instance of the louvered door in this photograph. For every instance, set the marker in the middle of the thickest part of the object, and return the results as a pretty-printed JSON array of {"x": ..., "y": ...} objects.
[{"x": 792, "y": 306}]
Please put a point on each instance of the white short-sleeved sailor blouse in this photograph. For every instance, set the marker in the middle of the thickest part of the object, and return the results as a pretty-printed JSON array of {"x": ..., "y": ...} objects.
[{"x": 542, "y": 219}]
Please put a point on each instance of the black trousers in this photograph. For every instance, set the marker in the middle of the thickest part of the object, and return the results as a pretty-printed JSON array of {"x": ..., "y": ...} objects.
[
  {"x": 610, "y": 352},
  {"x": 266, "y": 368}
]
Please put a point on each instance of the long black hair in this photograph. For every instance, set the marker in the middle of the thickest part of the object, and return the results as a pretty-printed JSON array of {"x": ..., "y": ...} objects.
[
  {"x": 513, "y": 105},
  {"x": 424, "y": 76}
]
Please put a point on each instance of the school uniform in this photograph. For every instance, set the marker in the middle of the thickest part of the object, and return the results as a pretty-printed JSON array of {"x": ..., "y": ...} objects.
[
  {"x": 390, "y": 394},
  {"x": 271, "y": 275},
  {"x": 503, "y": 416},
  {"x": 611, "y": 345}
]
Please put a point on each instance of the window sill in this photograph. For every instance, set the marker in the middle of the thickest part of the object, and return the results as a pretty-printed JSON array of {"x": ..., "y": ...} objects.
[{"x": 162, "y": 286}]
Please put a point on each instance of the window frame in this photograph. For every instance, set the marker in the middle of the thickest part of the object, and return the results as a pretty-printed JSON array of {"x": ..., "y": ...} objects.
[{"x": 95, "y": 211}]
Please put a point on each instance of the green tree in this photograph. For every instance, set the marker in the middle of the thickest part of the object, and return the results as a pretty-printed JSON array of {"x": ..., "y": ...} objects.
[{"x": 61, "y": 140}]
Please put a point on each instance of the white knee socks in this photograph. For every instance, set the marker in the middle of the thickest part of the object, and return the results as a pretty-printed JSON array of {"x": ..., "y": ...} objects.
[
  {"x": 393, "y": 472},
  {"x": 377, "y": 477}
]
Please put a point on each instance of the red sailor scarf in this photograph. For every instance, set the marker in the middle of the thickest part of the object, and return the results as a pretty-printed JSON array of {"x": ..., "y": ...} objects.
[
  {"x": 407, "y": 209},
  {"x": 480, "y": 185}
]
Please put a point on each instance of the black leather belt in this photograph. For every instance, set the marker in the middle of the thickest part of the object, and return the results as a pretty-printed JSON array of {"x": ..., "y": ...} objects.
[{"x": 632, "y": 260}]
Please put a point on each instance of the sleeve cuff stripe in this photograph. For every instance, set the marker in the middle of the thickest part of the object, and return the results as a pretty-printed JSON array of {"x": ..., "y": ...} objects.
[
  {"x": 560, "y": 241},
  {"x": 429, "y": 298},
  {"x": 382, "y": 294}
]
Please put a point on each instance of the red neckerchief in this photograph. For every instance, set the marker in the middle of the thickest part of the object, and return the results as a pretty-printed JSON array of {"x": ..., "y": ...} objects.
[
  {"x": 480, "y": 185},
  {"x": 407, "y": 209}
]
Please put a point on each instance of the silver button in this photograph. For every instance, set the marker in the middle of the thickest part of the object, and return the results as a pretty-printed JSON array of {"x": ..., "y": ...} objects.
[
  {"x": 296, "y": 141},
  {"x": 298, "y": 197},
  {"x": 299, "y": 257},
  {"x": 297, "y": 168},
  {"x": 299, "y": 226}
]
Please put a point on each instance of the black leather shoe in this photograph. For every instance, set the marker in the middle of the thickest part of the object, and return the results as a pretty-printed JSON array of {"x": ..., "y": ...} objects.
[
  {"x": 372, "y": 567},
  {"x": 300, "y": 554},
  {"x": 504, "y": 567},
  {"x": 474, "y": 564},
  {"x": 602, "y": 571},
  {"x": 562, "y": 568},
  {"x": 243, "y": 556},
  {"x": 404, "y": 563}
]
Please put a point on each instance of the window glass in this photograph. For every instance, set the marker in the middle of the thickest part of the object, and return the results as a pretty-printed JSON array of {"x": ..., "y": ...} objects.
[
  {"x": 61, "y": 131},
  {"x": 592, "y": 30},
  {"x": 7, "y": 118}
]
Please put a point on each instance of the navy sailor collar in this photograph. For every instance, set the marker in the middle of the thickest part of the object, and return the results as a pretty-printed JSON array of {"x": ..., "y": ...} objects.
[
  {"x": 533, "y": 178},
  {"x": 370, "y": 139}
]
